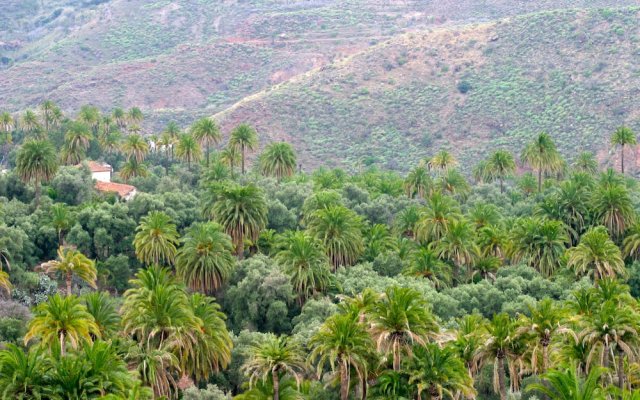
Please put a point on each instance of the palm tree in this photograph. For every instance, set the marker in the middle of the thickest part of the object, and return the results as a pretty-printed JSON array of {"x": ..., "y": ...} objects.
[
  {"x": 205, "y": 261},
  {"x": 437, "y": 217},
  {"x": 76, "y": 143},
  {"x": 542, "y": 156},
  {"x": 613, "y": 208},
  {"x": 500, "y": 166},
  {"x": 29, "y": 121},
  {"x": 188, "y": 149},
  {"x": 243, "y": 138},
  {"x": 545, "y": 321},
  {"x": 60, "y": 320},
  {"x": 339, "y": 230},
  {"x": 104, "y": 311},
  {"x": 155, "y": 366},
  {"x": 454, "y": 183},
  {"x": 492, "y": 241},
  {"x": 5, "y": 283},
  {"x": 596, "y": 255},
  {"x": 271, "y": 358},
  {"x": 36, "y": 161},
  {"x": 500, "y": 333},
  {"x": 131, "y": 168},
  {"x": 344, "y": 344},
  {"x": 407, "y": 221},
  {"x": 6, "y": 125},
  {"x": 483, "y": 214},
  {"x": 230, "y": 156},
  {"x": 206, "y": 132},
  {"x": 71, "y": 262},
  {"x": 111, "y": 142},
  {"x": 379, "y": 240},
  {"x": 61, "y": 220},
  {"x": 120, "y": 117},
  {"x": 418, "y": 183},
  {"x": 135, "y": 147},
  {"x": 23, "y": 375},
  {"x": 440, "y": 372},
  {"x": 586, "y": 162},
  {"x": 304, "y": 261},
  {"x": 426, "y": 264},
  {"x": 90, "y": 116},
  {"x": 631, "y": 243},
  {"x": 568, "y": 385},
  {"x": 442, "y": 161},
  {"x": 242, "y": 212},
  {"x": 134, "y": 115},
  {"x": 458, "y": 244},
  {"x": 470, "y": 337},
  {"x": 156, "y": 239},
  {"x": 540, "y": 243},
  {"x": 623, "y": 136},
  {"x": 399, "y": 319},
  {"x": 47, "y": 108},
  {"x": 278, "y": 160}
]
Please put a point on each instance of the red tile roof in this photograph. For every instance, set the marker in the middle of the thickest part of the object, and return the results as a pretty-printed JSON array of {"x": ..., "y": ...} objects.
[
  {"x": 98, "y": 167},
  {"x": 120, "y": 188}
]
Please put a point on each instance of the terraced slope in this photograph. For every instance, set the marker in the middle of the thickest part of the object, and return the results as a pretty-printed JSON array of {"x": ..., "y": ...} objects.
[{"x": 575, "y": 74}]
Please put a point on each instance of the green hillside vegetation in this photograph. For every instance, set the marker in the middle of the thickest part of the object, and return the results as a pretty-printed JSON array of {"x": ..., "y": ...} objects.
[
  {"x": 218, "y": 281},
  {"x": 570, "y": 73}
]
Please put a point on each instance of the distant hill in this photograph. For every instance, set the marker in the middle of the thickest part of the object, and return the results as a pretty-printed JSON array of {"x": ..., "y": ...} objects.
[
  {"x": 373, "y": 77},
  {"x": 574, "y": 74}
]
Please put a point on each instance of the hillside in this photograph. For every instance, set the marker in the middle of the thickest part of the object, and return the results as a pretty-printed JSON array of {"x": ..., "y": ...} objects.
[
  {"x": 572, "y": 73},
  {"x": 178, "y": 59}
]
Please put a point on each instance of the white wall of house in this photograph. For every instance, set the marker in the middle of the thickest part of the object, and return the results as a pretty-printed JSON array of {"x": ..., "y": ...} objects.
[
  {"x": 130, "y": 195},
  {"x": 102, "y": 176}
]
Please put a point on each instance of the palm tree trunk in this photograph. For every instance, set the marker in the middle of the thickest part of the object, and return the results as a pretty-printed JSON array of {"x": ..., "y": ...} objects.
[
  {"x": 622, "y": 159},
  {"x": 605, "y": 361},
  {"x": 62, "y": 344},
  {"x": 539, "y": 180},
  {"x": 68, "y": 279},
  {"x": 37, "y": 192},
  {"x": 396, "y": 354},
  {"x": 344, "y": 380},
  {"x": 502, "y": 378},
  {"x": 242, "y": 149},
  {"x": 621, "y": 376},
  {"x": 501, "y": 185},
  {"x": 433, "y": 393},
  {"x": 545, "y": 357},
  {"x": 276, "y": 385},
  {"x": 364, "y": 388},
  {"x": 240, "y": 248},
  {"x": 207, "y": 156}
]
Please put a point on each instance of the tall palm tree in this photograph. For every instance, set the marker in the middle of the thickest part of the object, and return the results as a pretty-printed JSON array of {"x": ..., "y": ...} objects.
[
  {"x": 452, "y": 182},
  {"x": 379, "y": 240},
  {"x": 36, "y": 161},
  {"x": 207, "y": 133},
  {"x": 501, "y": 165},
  {"x": 278, "y": 160},
  {"x": 399, "y": 319},
  {"x": 61, "y": 220},
  {"x": 407, "y": 221},
  {"x": 545, "y": 321},
  {"x": 612, "y": 207},
  {"x": 418, "y": 183},
  {"x": 23, "y": 374},
  {"x": 156, "y": 239},
  {"x": 568, "y": 385},
  {"x": 458, "y": 245},
  {"x": 47, "y": 108},
  {"x": 205, "y": 261},
  {"x": 493, "y": 241},
  {"x": 134, "y": 115},
  {"x": 230, "y": 156},
  {"x": 60, "y": 320},
  {"x": 500, "y": 333},
  {"x": 439, "y": 372},
  {"x": 135, "y": 147},
  {"x": 541, "y": 155},
  {"x": 71, "y": 262},
  {"x": 339, "y": 230},
  {"x": 242, "y": 212},
  {"x": 7, "y": 125},
  {"x": 540, "y": 243},
  {"x": 586, "y": 162},
  {"x": 29, "y": 121},
  {"x": 104, "y": 311},
  {"x": 90, "y": 116},
  {"x": 188, "y": 149},
  {"x": 442, "y": 161},
  {"x": 304, "y": 261},
  {"x": 596, "y": 255},
  {"x": 426, "y": 264},
  {"x": 111, "y": 142},
  {"x": 243, "y": 138},
  {"x": 470, "y": 337},
  {"x": 622, "y": 137},
  {"x": 437, "y": 217},
  {"x": 5, "y": 283},
  {"x": 272, "y": 357},
  {"x": 120, "y": 117},
  {"x": 344, "y": 344},
  {"x": 76, "y": 143},
  {"x": 156, "y": 368}
]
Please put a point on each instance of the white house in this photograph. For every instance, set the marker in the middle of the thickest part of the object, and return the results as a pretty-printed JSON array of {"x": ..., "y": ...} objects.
[{"x": 101, "y": 173}]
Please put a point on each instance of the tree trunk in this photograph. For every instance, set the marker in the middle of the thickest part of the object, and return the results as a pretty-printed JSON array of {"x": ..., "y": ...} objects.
[
  {"x": 207, "y": 156},
  {"x": 68, "y": 279},
  {"x": 501, "y": 185},
  {"x": 276, "y": 385},
  {"x": 621, "y": 376},
  {"x": 242, "y": 150},
  {"x": 540, "y": 180},
  {"x": 502, "y": 379},
  {"x": 433, "y": 393},
  {"x": 62, "y": 344},
  {"x": 622, "y": 160},
  {"x": 344, "y": 380},
  {"x": 240, "y": 248},
  {"x": 545, "y": 357},
  {"x": 37, "y": 192},
  {"x": 605, "y": 362},
  {"x": 364, "y": 388},
  {"x": 396, "y": 354}
]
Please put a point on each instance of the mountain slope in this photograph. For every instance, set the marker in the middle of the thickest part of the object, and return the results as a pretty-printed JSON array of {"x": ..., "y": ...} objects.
[{"x": 572, "y": 73}]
